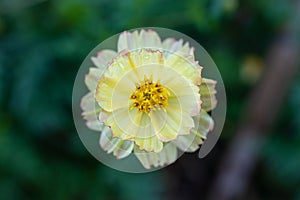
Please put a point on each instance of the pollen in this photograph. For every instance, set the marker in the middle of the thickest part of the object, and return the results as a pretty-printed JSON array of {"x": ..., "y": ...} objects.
[{"x": 149, "y": 96}]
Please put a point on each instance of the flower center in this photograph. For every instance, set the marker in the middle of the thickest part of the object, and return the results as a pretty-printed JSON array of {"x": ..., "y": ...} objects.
[{"x": 149, "y": 96}]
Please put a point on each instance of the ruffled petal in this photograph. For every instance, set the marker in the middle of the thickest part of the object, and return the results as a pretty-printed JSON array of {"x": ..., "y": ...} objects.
[
  {"x": 151, "y": 144},
  {"x": 128, "y": 41},
  {"x": 185, "y": 66},
  {"x": 107, "y": 142},
  {"x": 166, "y": 156},
  {"x": 103, "y": 58},
  {"x": 208, "y": 94},
  {"x": 206, "y": 124},
  {"x": 91, "y": 79},
  {"x": 191, "y": 142},
  {"x": 124, "y": 149},
  {"x": 176, "y": 46},
  {"x": 120, "y": 148},
  {"x": 90, "y": 112},
  {"x": 135, "y": 40},
  {"x": 188, "y": 143},
  {"x": 150, "y": 39},
  {"x": 146, "y": 57},
  {"x": 167, "y": 43}
]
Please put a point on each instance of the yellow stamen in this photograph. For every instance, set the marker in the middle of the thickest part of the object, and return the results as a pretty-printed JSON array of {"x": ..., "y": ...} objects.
[{"x": 149, "y": 96}]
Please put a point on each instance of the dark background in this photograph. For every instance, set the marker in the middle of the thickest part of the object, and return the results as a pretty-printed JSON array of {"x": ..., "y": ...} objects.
[{"x": 42, "y": 45}]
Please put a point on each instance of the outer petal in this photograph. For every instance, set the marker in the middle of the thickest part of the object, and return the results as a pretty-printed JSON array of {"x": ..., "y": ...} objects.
[
  {"x": 107, "y": 142},
  {"x": 167, "y": 156},
  {"x": 206, "y": 124},
  {"x": 150, "y": 39},
  {"x": 123, "y": 149},
  {"x": 167, "y": 43},
  {"x": 90, "y": 112},
  {"x": 91, "y": 79},
  {"x": 120, "y": 148},
  {"x": 135, "y": 40},
  {"x": 128, "y": 41},
  {"x": 188, "y": 143},
  {"x": 177, "y": 46},
  {"x": 207, "y": 92},
  {"x": 103, "y": 58},
  {"x": 191, "y": 142}
]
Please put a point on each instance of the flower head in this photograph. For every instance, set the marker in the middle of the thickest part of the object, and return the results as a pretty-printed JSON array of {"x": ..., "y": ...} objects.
[{"x": 151, "y": 98}]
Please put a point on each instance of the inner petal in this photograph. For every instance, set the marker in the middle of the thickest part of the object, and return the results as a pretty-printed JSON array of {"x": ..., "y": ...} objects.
[
  {"x": 130, "y": 124},
  {"x": 172, "y": 122}
]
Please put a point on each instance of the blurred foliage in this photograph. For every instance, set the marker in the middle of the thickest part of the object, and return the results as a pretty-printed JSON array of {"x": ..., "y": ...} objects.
[{"x": 42, "y": 44}]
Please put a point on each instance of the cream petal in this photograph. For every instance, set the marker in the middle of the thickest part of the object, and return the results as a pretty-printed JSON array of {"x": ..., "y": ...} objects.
[
  {"x": 114, "y": 89},
  {"x": 124, "y": 123},
  {"x": 91, "y": 79},
  {"x": 191, "y": 142},
  {"x": 176, "y": 46},
  {"x": 185, "y": 66},
  {"x": 165, "y": 127},
  {"x": 151, "y": 144},
  {"x": 135, "y": 40},
  {"x": 167, "y": 43},
  {"x": 166, "y": 156},
  {"x": 172, "y": 122},
  {"x": 185, "y": 48},
  {"x": 107, "y": 142},
  {"x": 208, "y": 94},
  {"x": 147, "y": 57},
  {"x": 186, "y": 93},
  {"x": 128, "y": 41},
  {"x": 182, "y": 89},
  {"x": 103, "y": 58},
  {"x": 118, "y": 82},
  {"x": 150, "y": 39},
  {"x": 103, "y": 116},
  {"x": 179, "y": 87},
  {"x": 190, "y": 104},
  {"x": 188, "y": 143},
  {"x": 129, "y": 124},
  {"x": 120, "y": 148},
  {"x": 90, "y": 112},
  {"x": 123, "y": 149},
  {"x": 206, "y": 124}
]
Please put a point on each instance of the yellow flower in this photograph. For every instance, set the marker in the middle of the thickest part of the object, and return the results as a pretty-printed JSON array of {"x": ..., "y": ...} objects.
[{"x": 151, "y": 98}]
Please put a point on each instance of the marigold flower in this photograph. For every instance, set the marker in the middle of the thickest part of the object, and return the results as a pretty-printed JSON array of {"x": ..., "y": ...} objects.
[{"x": 151, "y": 98}]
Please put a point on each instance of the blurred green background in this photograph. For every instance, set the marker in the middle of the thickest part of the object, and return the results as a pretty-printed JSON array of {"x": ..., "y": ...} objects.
[{"x": 42, "y": 44}]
